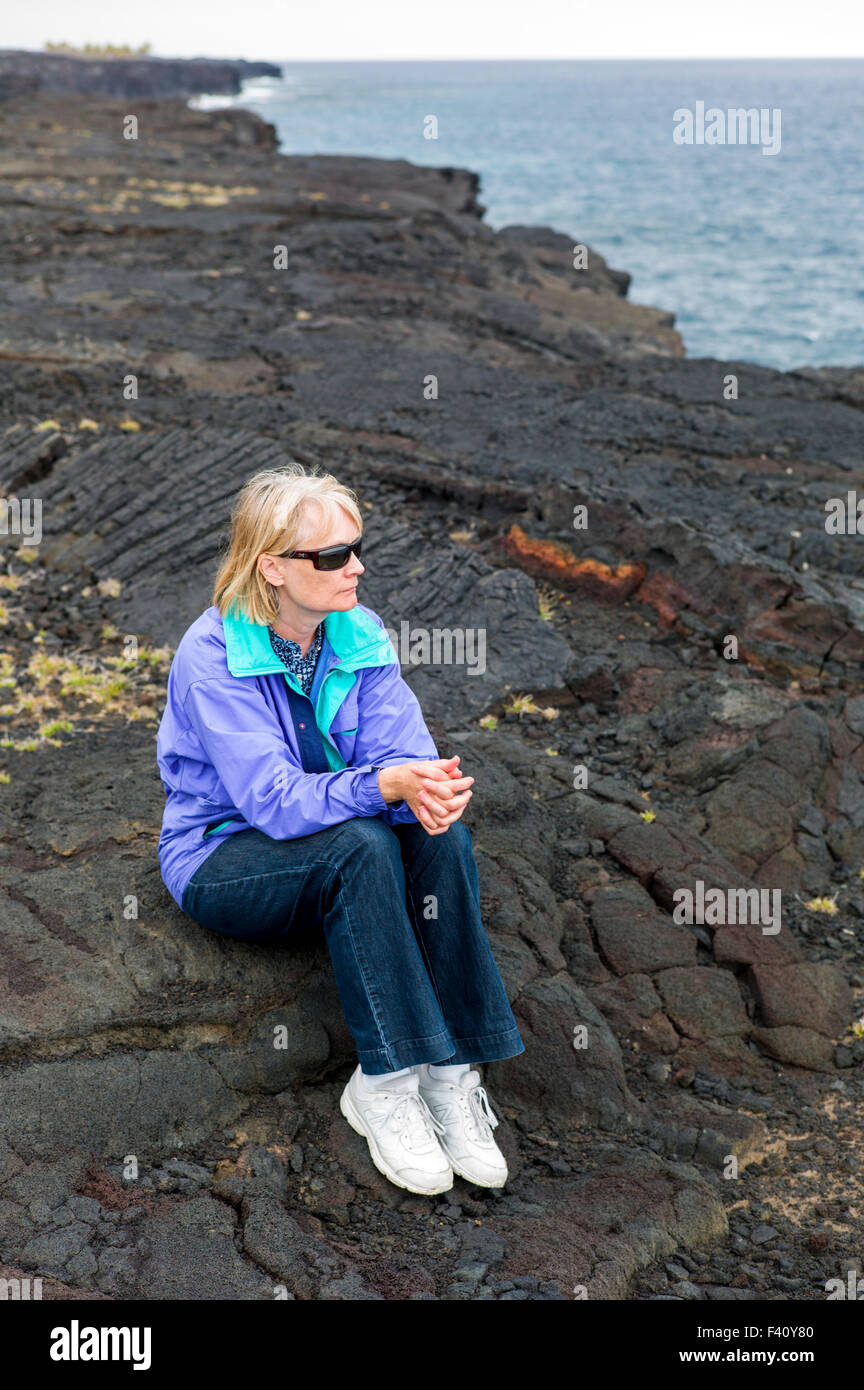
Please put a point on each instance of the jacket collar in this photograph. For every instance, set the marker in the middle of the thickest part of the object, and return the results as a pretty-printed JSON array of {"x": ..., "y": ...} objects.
[{"x": 354, "y": 637}]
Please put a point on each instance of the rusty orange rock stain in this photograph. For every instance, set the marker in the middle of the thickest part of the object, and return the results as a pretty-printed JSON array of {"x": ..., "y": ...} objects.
[{"x": 558, "y": 563}]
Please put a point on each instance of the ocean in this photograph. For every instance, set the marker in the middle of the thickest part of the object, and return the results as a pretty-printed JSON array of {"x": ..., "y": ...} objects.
[{"x": 753, "y": 238}]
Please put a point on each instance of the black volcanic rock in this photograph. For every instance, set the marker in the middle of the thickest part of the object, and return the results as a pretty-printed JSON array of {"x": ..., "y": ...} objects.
[{"x": 126, "y": 1028}]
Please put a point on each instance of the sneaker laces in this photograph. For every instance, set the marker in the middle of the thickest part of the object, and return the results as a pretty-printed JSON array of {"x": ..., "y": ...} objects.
[
  {"x": 412, "y": 1111},
  {"x": 481, "y": 1111}
]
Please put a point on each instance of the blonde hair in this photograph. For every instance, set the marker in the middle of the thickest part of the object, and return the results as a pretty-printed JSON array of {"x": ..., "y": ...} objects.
[{"x": 271, "y": 514}]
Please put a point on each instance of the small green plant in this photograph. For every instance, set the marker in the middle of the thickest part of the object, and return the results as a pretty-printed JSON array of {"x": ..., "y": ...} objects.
[
  {"x": 547, "y": 604},
  {"x": 56, "y": 726},
  {"x": 155, "y": 656},
  {"x": 827, "y": 905},
  {"x": 521, "y": 704}
]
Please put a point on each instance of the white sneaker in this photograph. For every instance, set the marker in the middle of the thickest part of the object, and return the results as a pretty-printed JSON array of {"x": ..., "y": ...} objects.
[
  {"x": 401, "y": 1133},
  {"x": 463, "y": 1108}
]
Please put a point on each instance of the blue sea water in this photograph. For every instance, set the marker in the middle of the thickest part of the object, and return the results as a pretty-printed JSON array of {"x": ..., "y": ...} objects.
[{"x": 759, "y": 256}]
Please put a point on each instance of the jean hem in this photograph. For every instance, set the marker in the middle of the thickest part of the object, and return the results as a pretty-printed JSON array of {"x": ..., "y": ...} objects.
[{"x": 489, "y": 1047}]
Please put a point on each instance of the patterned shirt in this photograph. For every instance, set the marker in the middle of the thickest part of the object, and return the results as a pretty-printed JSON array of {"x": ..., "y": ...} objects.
[{"x": 303, "y": 667}]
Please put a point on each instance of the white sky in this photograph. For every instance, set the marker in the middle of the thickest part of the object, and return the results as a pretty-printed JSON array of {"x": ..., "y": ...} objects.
[{"x": 394, "y": 29}]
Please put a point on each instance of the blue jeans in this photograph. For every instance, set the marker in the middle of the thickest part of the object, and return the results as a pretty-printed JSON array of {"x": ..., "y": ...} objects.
[{"x": 414, "y": 986}]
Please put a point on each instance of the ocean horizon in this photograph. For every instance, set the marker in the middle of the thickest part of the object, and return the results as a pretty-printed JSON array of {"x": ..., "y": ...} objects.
[{"x": 755, "y": 244}]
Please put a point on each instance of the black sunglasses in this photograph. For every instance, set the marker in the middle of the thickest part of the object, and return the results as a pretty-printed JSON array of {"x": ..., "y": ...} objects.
[{"x": 333, "y": 557}]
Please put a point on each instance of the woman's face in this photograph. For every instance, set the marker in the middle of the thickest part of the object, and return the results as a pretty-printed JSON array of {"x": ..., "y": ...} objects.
[{"x": 305, "y": 587}]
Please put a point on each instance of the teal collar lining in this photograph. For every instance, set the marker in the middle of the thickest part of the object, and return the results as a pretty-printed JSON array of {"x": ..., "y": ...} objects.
[{"x": 354, "y": 637}]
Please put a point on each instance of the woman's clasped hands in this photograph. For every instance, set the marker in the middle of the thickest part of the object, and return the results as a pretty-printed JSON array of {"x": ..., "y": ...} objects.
[{"x": 436, "y": 791}]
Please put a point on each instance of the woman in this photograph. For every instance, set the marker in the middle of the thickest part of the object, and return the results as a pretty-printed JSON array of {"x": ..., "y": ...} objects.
[{"x": 303, "y": 787}]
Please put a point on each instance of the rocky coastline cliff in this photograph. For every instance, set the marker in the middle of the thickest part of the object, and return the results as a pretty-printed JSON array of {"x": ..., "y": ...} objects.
[{"x": 23, "y": 72}]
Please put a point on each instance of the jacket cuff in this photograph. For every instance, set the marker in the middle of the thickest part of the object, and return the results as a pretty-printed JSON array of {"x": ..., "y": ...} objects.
[
  {"x": 399, "y": 813},
  {"x": 368, "y": 793}
]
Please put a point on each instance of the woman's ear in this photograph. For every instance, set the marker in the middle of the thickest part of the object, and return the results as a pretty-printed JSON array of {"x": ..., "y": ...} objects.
[{"x": 270, "y": 570}]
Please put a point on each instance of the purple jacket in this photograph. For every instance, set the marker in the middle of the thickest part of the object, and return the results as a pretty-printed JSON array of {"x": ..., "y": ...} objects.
[{"x": 227, "y": 746}]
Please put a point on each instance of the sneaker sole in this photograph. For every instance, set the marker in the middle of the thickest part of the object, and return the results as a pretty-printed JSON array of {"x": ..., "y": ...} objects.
[
  {"x": 476, "y": 1182},
  {"x": 355, "y": 1120}
]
